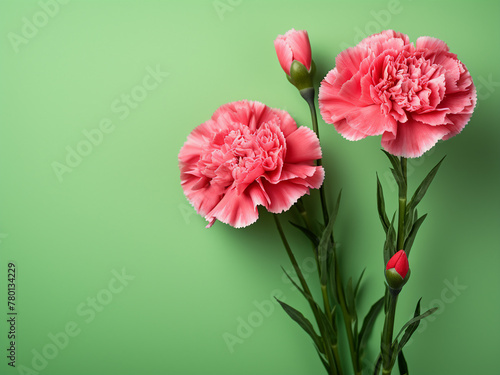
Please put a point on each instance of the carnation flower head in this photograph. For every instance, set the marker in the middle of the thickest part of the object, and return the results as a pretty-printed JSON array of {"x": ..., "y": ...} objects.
[
  {"x": 412, "y": 95},
  {"x": 246, "y": 155}
]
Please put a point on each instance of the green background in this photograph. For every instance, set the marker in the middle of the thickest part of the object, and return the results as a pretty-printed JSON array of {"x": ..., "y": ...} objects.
[{"x": 121, "y": 208}]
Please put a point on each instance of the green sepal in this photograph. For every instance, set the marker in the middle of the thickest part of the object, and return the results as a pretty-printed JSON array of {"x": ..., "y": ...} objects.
[
  {"x": 300, "y": 77},
  {"x": 394, "y": 279}
]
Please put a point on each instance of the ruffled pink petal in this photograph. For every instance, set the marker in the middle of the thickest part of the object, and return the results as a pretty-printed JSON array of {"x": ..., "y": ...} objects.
[
  {"x": 333, "y": 107},
  {"x": 302, "y": 145},
  {"x": 303, "y": 171},
  {"x": 456, "y": 102},
  {"x": 432, "y": 44},
  {"x": 284, "y": 52},
  {"x": 351, "y": 91},
  {"x": 433, "y": 118},
  {"x": 453, "y": 68},
  {"x": 203, "y": 200},
  {"x": 258, "y": 194},
  {"x": 286, "y": 123},
  {"x": 349, "y": 61},
  {"x": 237, "y": 210},
  {"x": 370, "y": 120},
  {"x": 314, "y": 181},
  {"x": 460, "y": 120},
  {"x": 284, "y": 194},
  {"x": 387, "y": 39},
  {"x": 413, "y": 139},
  {"x": 348, "y": 132}
]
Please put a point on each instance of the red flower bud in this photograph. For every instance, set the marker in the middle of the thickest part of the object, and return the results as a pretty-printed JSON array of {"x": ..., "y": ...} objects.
[
  {"x": 397, "y": 270},
  {"x": 399, "y": 261}
]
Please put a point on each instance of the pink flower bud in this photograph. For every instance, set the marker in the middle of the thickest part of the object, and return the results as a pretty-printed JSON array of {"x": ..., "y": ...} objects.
[{"x": 293, "y": 46}]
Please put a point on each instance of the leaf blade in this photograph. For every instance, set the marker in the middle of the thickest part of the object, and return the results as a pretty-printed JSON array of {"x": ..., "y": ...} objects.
[
  {"x": 303, "y": 322},
  {"x": 413, "y": 233},
  {"x": 424, "y": 185}
]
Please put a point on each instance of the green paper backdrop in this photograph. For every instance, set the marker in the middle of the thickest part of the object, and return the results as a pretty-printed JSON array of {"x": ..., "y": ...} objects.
[{"x": 115, "y": 272}]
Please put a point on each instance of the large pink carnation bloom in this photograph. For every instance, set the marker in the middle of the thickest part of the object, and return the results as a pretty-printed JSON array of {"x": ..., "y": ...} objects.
[
  {"x": 247, "y": 155},
  {"x": 412, "y": 95}
]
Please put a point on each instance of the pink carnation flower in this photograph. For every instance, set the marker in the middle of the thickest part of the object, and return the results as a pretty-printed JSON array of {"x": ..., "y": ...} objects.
[
  {"x": 412, "y": 95},
  {"x": 247, "y": 155}
]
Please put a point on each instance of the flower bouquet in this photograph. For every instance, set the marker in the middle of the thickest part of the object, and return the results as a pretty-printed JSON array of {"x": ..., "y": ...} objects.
[{"x": 248, "y": 155}]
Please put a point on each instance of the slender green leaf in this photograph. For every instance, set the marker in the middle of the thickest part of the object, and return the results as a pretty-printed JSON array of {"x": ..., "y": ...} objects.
[
  {"x": 394, "y": 353},
  {"x": 351, "y": 304},
  {"x": 368, "y": 323},
  {"x": 411, "y": 236},
  {"x": 303, "y": 322},
  {"x": 409, "y": 220},
  {"x": 399, "y": 179},
  {"x": 356, "y": 289},
  {"x": 390, "y": 242},
  {"x": 395, "y": 162},
  {"x": 325, "y": 246},
  {"x": 312, "y": 237},
  {"x": 403, "y": 366},
  {"x": 386, "y": 298},
  {"x": 335, "y": 210},
  {"x": 323, "y": 360},
  {"x": 302, "y": 291},
  {"x": 410, "y": 327},
  {"x": 422, "y": 189},
  {"x": 381, "y": 206},
  {"x": 378, "y": 364},
  {"x": 333, "y": 283},
  {"x": 330, "y": 327}
]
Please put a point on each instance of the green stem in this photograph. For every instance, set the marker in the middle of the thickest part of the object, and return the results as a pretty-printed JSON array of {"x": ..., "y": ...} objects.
[
  {"x": 392, "y": 295},
  {"x": 326, "y": 344},
  {"x": 386, "y": 345},
  {"x": 308, "y": 95},
  {"x": 403, "y": 191},
  {"x": 347, "y": 318},
  {"x": 336, "y": 357}
]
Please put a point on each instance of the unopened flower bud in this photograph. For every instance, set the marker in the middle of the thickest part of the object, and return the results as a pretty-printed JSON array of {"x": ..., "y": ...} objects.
[
  {"x": 294, "y": 54},
  {"x": 397, "y": 270}
]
